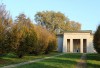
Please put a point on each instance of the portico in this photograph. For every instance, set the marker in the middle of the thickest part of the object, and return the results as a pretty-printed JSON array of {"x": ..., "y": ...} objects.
[
  {"x": 76, "y": 42},
  {"x": 76, "y": 45}
]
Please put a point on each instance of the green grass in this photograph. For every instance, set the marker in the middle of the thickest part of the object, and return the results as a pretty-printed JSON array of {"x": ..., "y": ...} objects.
[
  {"x": 65, "y": 61},
  {"x": 12, "y": 59},
  {"x": 93, "y": 60}
]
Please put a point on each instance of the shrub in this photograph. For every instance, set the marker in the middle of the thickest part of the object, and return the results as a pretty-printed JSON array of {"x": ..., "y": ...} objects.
[
  {"x": 23, "y": 40},
  {"x": 4, "y": 39},
  {"x": 96, "y": 40},
  {"x": 42, "y": 40},
  {"x": 52, "y": 45},
  {"x": 46, "y": 42},
  {"x": 23, "y": 35}
]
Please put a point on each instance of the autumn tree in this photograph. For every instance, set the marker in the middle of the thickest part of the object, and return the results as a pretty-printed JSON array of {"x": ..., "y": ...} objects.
[
  {"x": 2, "y": 37},
  {"x": 46, "y": 42},
  {"x": 5, "y": 24},
  {"x": 96, "y": 40},
  {"x": 24, "y": 36},
  {"x": 42, "y": 40},
  {"x": 5, "y": 17},
  {"x": 52, "y": 44}
]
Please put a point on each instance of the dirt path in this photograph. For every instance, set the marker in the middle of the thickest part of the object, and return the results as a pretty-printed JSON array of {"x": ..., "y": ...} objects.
[
  {"x": 82, "y": 62},
  {"x": 28, "y": 62}
]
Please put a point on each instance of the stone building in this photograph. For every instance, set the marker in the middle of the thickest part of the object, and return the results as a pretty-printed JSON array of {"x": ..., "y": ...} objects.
[{"x": 76, "y": 41}]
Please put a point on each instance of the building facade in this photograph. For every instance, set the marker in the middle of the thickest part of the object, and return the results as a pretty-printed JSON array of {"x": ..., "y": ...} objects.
[{"x": 76, "y": 42}]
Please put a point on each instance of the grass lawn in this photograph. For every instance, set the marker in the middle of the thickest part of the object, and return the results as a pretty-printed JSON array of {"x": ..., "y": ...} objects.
[
  {"x": 12, "y": 59},
  {"x": 93, "y": 60},
  {"x": 68, "y": 60}
]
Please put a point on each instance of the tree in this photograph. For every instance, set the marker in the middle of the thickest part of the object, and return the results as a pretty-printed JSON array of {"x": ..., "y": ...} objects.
[
  {"x": 53, "y": 21},
  {"x": 5, "y": 17},
  {"x": 2, "y": 37},
  {"x": 23, "y": 35},
  {"x": 46, "y": 41},
  {"x": 96, "y": 40},
  {"x": 42, "y": 40},
  {"x": 5, "y": 24},
  {"x": 50, "y": 19},
  {"x": 72, "y": 26},
  {"x": 52, "y": 44}
]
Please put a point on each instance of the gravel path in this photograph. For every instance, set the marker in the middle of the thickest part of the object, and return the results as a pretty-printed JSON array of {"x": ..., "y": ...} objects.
[
  {"x": 28, "y": 62},
  {"x": 82, "y": 62}
]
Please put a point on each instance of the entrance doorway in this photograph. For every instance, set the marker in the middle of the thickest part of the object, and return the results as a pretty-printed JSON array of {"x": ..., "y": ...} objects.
[
  {"x": 84, "y": 45},
  {"x": 76, "y": 45},
  {"x": 68, "y": 45}
]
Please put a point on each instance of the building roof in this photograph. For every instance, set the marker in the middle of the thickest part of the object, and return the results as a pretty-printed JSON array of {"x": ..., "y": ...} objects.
[{"x": 80, "y": 31}]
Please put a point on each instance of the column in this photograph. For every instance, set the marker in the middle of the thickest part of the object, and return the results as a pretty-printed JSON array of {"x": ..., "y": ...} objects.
[
  {"x": 65, "y": 44},
  {"x": 87, "y": 46},
  {"x": 71, "y": 45},
  {"x": 81, "y": 46}
]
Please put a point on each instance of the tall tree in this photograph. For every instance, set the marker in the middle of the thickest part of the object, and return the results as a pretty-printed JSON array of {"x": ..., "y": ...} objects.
[
  {"x": 72, "y": 26},
  {"x": 5, "y": 24},
  {"x": 5, "y": 17},
  {"x": 23, "y": 35},
  {"x": 96, "y": 40},
  {"x": 50, "y": 19},
  {"x": 54, "y": 21}
]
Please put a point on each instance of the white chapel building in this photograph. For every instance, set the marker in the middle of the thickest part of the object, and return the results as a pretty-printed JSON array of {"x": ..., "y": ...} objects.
[{"x": 76, "y": 42}]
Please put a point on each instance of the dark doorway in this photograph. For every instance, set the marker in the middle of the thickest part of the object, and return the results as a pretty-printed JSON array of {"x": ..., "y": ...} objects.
[
  {"x": 76, "y": 45},
  {"x": 84, "y": 45},
  {"x": 68, "y": 45}
]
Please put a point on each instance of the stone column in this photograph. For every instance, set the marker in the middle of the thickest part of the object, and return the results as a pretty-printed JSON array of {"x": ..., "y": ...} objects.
[
  {"x": 71, "y": 45},
  {"x": 87, "y": 46},
  {"x": 64, "y": 44},
  {"x": 81, "y": 46}
]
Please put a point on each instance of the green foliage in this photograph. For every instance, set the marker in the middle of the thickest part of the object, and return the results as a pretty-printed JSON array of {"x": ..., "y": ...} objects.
[
  {"x": 96, "y": 40},
  {"x": 54, "y": 21},
  {"x": 50, "y": 19},
  {"x": 72, "y": 26}
]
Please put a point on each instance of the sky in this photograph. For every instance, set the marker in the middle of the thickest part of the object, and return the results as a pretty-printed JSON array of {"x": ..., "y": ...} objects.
[{"x": 86, "y": 12}]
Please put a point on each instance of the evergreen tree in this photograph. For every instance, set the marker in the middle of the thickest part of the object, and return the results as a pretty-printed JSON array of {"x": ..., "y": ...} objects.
[{"x": 96, "y": 40}]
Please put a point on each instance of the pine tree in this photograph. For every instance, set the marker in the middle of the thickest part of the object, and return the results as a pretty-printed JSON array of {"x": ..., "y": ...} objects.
[{"x": 96, "y": 40}]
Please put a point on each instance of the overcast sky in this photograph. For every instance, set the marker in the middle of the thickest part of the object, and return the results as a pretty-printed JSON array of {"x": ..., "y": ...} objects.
[{"x": 87, "y": 12}]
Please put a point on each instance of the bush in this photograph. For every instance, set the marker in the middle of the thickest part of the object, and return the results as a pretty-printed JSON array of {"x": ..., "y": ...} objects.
[
  {"x": 23, "y": 40},
  {"x": 4, "y": 39},
  {"x": 52, "y": 45},
  {"x": 42, "y": 40},
  {"x": 96, "y": 40},
  {"x": 46, "y": 42}
]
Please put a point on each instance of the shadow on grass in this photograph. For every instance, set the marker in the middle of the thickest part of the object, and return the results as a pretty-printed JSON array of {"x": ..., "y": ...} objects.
[
  {"x": 93, "y": 65},
  {"x": 57, "y": 62},
  {"x": 60, "y": 61},
  {"x": 71, "y": 55},
  {"x": 51, "y": 63},
  {"x": 93, "y": 60},
  {"x": 36, "y": 65},
  {"x": 4, "y": 62},
  {"x": 93, "y": 57}
]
